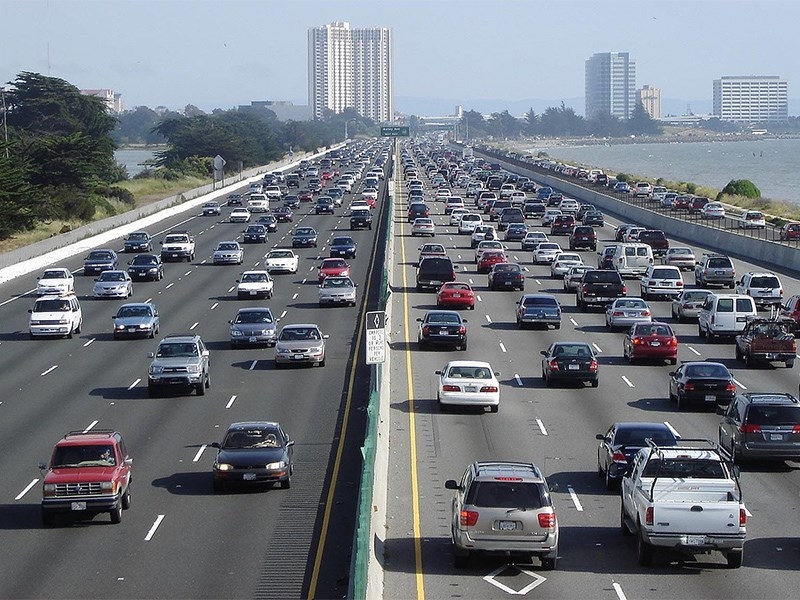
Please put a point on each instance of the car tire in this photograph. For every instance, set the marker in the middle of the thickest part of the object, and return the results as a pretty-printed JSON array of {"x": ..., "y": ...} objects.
[
  {"x": 595, "y": 383},
  {"x": 126, "y": 498},
  {"x": 734, "y": 558},
  {"x": 557, "y": 326},
  {"x": 286, "y": 484},
  {"x": 700, "y": 331},
  {"x": 116, "y": 514},
  {"x": 548, "y": 562},
  {"x": 547, "y": 381},
  {"x": 673, "y": 361},
  {"x": 644, "y": 552},
  {"x": 681, "y": 402},
  {"x": 200, "y": 388},
  {"x": 622, "y": 526},
  {"x": 611, "y": 484}
]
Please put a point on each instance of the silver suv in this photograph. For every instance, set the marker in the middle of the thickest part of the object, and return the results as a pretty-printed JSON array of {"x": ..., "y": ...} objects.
[
  {"x": 503, "y": 508},
  {"x": 715, "y": 268},
  {"x": 180, "y": 361}
]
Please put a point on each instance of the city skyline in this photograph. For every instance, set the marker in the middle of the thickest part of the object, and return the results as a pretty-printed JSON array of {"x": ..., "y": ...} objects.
[{"x": 476, "y": 54}]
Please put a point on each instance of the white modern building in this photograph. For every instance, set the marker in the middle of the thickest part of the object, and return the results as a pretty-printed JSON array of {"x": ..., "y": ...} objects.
[
  {"x": 610, "y": 85},
  {"x": 350, "y": 68},
  {"x": 751, "y": 99},
  {"x": 650, "y": 97},
  {"x": 112, "y": 100}
]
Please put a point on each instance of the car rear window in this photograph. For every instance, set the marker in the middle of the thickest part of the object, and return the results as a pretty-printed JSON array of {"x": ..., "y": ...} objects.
[
  {"x": 539, "y": 301},
  {"x": 773, "y": 415},
  {"x": 725, "y": 305},
  {"x": 505, "y": 494},
  {"x": 765, "y": 282},
  {"x": 719, "y": 263},
  {"x": 745, "y": 305},
  {"x": 666, "y": 274},
  {"x": 705, "y": 469}
]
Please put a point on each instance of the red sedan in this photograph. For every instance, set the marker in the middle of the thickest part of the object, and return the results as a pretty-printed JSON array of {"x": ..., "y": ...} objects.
[
  {"x": 332, "y": 267},
  {"x": 650, "y": 341},
  {"x": 305, "y": 196},
  {"x": 489, "y": 258},
  {"x": 455, "y": 294},
  {"x": 790, "y": 231}
]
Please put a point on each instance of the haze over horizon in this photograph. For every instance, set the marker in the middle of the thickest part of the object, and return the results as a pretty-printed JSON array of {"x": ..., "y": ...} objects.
[{"x": 501, "y": 55}]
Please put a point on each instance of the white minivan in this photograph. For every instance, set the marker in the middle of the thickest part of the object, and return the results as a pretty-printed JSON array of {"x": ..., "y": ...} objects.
[
  {"x": 632, "y": 259},
  {"x": 725, "y": 314}
]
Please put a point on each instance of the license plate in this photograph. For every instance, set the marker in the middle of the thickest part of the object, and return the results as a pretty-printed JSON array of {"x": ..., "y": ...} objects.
[
  {"x": 249, "y": 476},
  {"x": 719, "y": 272},
  {"x": 508, "y": 282},
  {"x": 253, "y": 292},
  {"x": 655, "y": 343},
  {"x": 456, "y": 295},
  {"x": 775, "y": 437},
  {"x": 252, "y": 340},
  {"x": 507, "y": 525},
  {"x": 298, "y": 356},
  {"x": 77, "y": 506},
  {"x": 695, "y": 540},
  {"x": 174, "y": 256},
  {"x": 710, "y": 398},
  {"x": 470, "y": 388},
  {"x": 436, "y": 283},
  {"x": 573, "y": 367},
  {"x": 443, "y": 332}
]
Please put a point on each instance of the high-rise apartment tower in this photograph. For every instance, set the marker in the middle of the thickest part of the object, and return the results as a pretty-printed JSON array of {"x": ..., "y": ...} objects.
[
  {"x": 350, "y": 68},
  {"x": 610, "y": 85}
]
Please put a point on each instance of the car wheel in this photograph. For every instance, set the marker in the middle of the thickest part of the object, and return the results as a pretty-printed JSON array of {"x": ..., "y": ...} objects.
[
  {"x": 286, "y": 484},
  {"x": 700, "y": 331},
  {"x": 595, "y": 382},
  {"x": 673, "y": 361},
  {"x": 547, "y": 381},
  {"x": 622, "y": 526},
  {"x": 734, "y": 558},
  {"x": 681, "y": 402},
  {"x": 322, "y": 363},
  {"x": 611, "y": 484},
  {"x": 557, "y": 326},
  {"x": 201, "y": 388},
  {"x": 644, "y": 552},
  {"x": 116, "y": 514},
  {"x": 548, "y": 562},
  {"x": 126, "y": 498},
  {"x": 471, "y": 307}
]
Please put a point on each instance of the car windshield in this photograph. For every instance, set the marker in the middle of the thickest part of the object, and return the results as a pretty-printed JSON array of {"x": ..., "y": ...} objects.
[
  {"x": 765, "y": 282},
  {"x": 337, "y": 282},
  {"x": 571, "y": 350},
  {"x": 333, "y": 264},
  {"x": 54, "y": 275},
  {"x": 630, "y": 303},
  {"x": 539, "y": 301},
  {"x": 665, "y": 274},
  {"x": 138, "y": 237},
  {"x": 469, "y": 372},
  {"x": 134, "y": 311},
  {"x": 280, "y": 254},
  {"x": 112, "y": 276},
  {"x": 84, "y": 456},
  {"x": 175, "y": 349},
  {"x": 505, "y": 495},
  {"x": 253, "y": 316},
  {"x": 637, "y": 437},
  {"x": 773, "y": 415},
  {"x": 254, "y": 277},
  {"x": 506, "y": 268},
  {"x": 252, "y": 438},
  {"x": 99, "y": 256},
  {"x": 228, "y": 247},
  {"x": 54, "y": 305},
  {"x": 305, "y": 232},
  {"x": 652, "y": 329},
  {"x": 299, "y": 333},
  {"x": 342, "y": 241}
]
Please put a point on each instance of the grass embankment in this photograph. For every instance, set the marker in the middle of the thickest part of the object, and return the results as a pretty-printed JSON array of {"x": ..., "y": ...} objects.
[{"x": 145, "y": 191}]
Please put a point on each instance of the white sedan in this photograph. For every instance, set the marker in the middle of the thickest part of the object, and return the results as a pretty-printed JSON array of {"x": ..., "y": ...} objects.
[
  {"x": 113, "y": 284},
  {"x": 239, "y": 215},
  {"x": 468, "y": 383},
  {"x": 562, "y": 263},
  {"x": 57, "y": 281},
  {"x": 752, "y": 219},
  {"x": 713, "y": 210},
  {"x": 254, "y": 284},
  {"x": 281, "y": 261},
  {"x": 545, "y": 252}
]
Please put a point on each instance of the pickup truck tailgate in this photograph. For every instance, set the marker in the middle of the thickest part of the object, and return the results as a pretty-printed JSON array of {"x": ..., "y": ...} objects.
[{"x": 680, "y": 507}]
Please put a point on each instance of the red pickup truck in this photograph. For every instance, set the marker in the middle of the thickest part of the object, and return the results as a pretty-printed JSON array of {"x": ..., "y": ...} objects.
[
  {"x": 89, "y": 473},
  {"x": 767, "y": 340}
]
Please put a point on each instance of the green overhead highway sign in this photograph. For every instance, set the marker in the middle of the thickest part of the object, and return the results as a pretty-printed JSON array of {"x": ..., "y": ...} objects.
[{"x": 394, "y": 131}]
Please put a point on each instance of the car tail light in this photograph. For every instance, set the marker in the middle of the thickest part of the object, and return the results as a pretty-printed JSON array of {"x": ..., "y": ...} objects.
[
  {"x": 713, "y": 319},
  {"x": 730, "y": 387},
  {"x": 593, "y": 365},
  {"x": 636, "y": 341},
  {"x": 747, "y": 291},
  {"x": 617, "y": 313},
  {"x": 673, "y": 341},
  {"x": 619, "y": 457},
  {"x": 547, "y": 520},
  {"x": 688, "y": 387},
  {"x": 489, "y": 389},
  {"x": 749, "y": 428},
  {"x": 648, "y": 516},
  {"x": 679, "y": 284},
  {"x": 450, "y": 388},
  {"x": 742, "y": 517},
  {"x": 645, "y": 313},
  {"x": 796, "y": 429},
  {"x": 624, "y": 289},
  {"x": 426, "y": 330},
  {"x": 468, "y": 518},
  {"x": 462, "y": 330},
  {"x": 554, "y": 365}
]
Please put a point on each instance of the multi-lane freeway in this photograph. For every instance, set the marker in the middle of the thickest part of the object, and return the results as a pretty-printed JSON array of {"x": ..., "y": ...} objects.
[
  {"x": 555, "y": 428},
  {"x": 179, "y": 539}
]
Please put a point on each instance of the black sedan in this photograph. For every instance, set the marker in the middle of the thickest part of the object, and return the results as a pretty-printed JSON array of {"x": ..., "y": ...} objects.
[
  {"x": 324, "y": 205},
  {"x": 253, "y": 452},
  {"x": 98, "y": 261},
  {"x": 506, "y": 276},
  {"x": 255, "y": 234},
  {"x": 622, "y": 441},
  {"x": 283, "y": 214},
  {"x": 343, "y": 246},
  {"x": 442, "y": 328},
  {"x": 146, "y": 266},
  {"x": 269, "y": 221},
  {"x": 569, "y": 361},
  {"x": 701, "y": 382},
  {"x": 292, "y": 201},
  {"x": 138, "y": 241},
  {"x": 304, "y": 237},
  {"x": 234, "y": 199}
]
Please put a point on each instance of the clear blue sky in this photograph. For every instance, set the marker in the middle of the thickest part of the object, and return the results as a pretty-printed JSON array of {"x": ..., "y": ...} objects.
[{"x": 222, "y": 53}]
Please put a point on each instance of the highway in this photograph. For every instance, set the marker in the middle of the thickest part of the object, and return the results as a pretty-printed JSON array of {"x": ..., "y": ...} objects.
[
  {"x": 179, "y": 539},
  {"x": 555, "y": 428}
]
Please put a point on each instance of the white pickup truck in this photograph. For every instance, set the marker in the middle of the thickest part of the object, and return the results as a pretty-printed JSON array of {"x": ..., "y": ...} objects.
[
  {"x": 177, "y": 246},
  {"x": 686, "y": 498}
]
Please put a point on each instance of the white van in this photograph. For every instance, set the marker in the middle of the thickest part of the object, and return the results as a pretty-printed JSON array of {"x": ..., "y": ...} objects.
[
  {"x": 632, "y": 259},
  {"x": 258, "y": 203},
  {"x": 725, "y": 314}
]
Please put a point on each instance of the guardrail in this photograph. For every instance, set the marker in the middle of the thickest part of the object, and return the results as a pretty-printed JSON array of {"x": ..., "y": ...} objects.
[{"x": 721, "y": 235}]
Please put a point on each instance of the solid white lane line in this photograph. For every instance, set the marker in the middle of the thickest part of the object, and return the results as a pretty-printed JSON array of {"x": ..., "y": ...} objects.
[
  {"x": 517, "y": 378},
  {"x": 573, "y": 321},
  {"x": 253, "y": 365},
  {"x": 169, "y": 285},
  {"x": 215, "y": 305},
  {"x": 283, "y": 314},
  {"x": 91, "y": 340},
  {"x": 672, "y": 429},
  {"x": 597, "y": 348},
  {"x": 502, "y": 347},
  {"x": 693, "y": 350},
  {"x": 134, "y": 384},
  {"x": 91, "y": 426},
  {"x": 618, "y": 589},
  {"x": 199, "y": 453},
  {"x": 575, "y": 501},
  {"x": 627, "y": 381},
  {"x": 27, "y": 489},
  {"x": 541, "y": 426},
  {"x": 193, "y": 326},
  {"x": 152, "y": 531},
  {"x": 50, "y": 370},
  {"x": 231, "y": 401},
  {"x": 739, "y": 384}
]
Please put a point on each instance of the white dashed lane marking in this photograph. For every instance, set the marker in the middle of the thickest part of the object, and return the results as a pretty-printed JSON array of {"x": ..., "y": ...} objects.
[
  {"x": 627, "y": 381},
  {"x": 541, "y": 426}
]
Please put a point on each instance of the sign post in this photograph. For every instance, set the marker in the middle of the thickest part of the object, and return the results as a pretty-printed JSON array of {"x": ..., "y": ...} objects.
[{"x": 376, "y": 337}]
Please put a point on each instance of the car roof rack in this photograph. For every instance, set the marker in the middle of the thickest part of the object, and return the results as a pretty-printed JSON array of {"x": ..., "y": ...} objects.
[{"x": 90, "y": 432}]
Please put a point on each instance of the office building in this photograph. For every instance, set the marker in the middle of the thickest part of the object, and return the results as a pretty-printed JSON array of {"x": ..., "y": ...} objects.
[
  {"x": 650, "y": 97},
  {"x": 751, "y": 99},
  {"x": 112, "y": 100},
  {"x": 610, "y": 85},
  {"x": 350, "y": 68}
]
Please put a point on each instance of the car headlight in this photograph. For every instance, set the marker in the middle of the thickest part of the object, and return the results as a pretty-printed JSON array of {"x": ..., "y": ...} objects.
[
  {"x": 49, "y": 489},
  {"x": 145, "y": 325},
  {"x": 153, "y": 270},
  {"x": 109, "y": 486},
  {"x": 223, "y": 467},
  {"x": 119, "y": 327},
  {"x": 276, "y": 465},
  {"x": 282, "y": 351},
  {"x": 156, "y": 370},
  {"x": 193, "y": 368},
  {"x": 63, "y": 320}
]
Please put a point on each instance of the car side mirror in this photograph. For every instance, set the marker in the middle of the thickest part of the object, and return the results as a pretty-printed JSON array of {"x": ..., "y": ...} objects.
[
  {"x": 290, "y": 443},
  {"x": 451, "y": 484},
  {"x": 325, "y": 336},
  {"x": 600, "y": 436},
  {"x": 127, "y": 462},
  {"x": 151, "y": 355},
  {"x": 214, "y": 445},
  {"x": 543, "y": 352},
  {"x": 42, "y": 466}
]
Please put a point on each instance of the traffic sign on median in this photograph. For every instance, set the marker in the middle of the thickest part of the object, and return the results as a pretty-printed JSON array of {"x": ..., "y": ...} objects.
[
  {"x": 376, "y": 337},
  {"x": 395, "y": 131}
]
